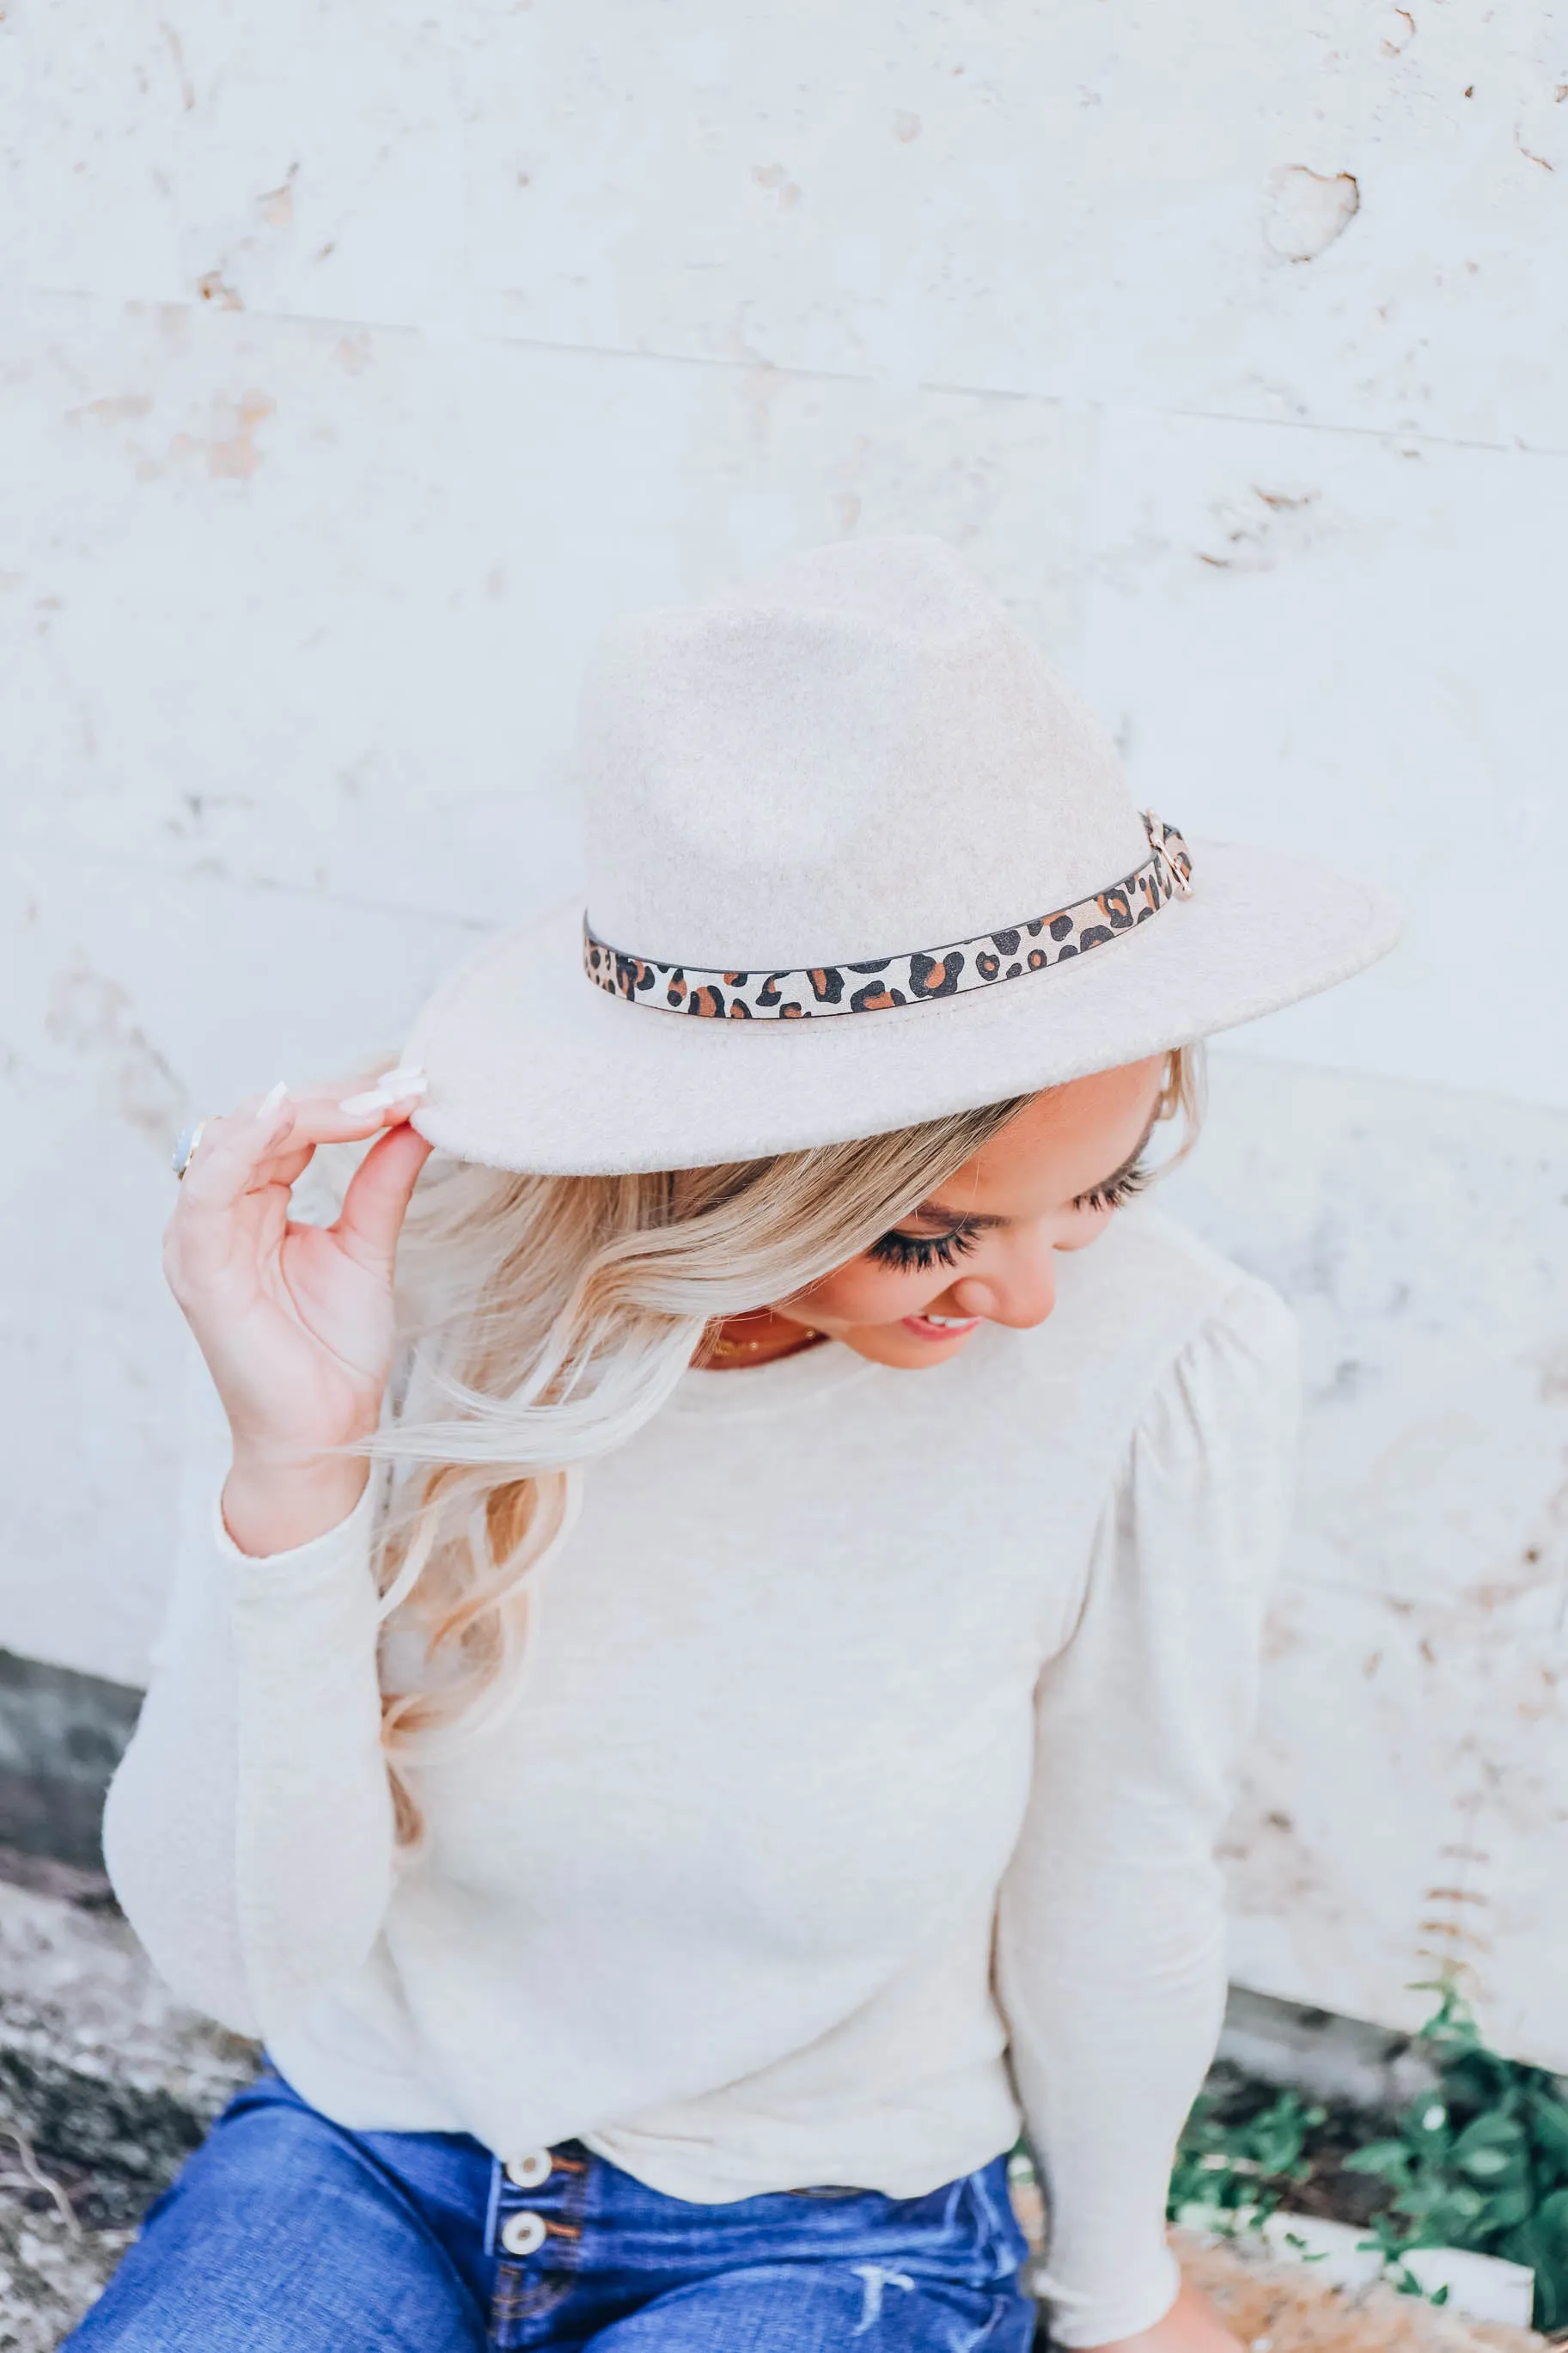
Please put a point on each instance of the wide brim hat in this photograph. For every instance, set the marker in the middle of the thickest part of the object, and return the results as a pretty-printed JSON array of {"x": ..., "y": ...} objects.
[{"x": 857, "y": 857}]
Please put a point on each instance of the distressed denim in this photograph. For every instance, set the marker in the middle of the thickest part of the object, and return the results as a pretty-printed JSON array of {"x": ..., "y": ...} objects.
[{"x": 286, "y": 2233}]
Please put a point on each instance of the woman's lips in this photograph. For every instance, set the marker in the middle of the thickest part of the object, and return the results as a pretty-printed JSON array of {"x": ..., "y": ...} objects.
[{"x": 940, "y": 1328}]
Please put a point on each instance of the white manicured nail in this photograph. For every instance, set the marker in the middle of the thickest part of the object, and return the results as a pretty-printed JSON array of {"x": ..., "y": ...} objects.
[
  {"x": 401, "y": 1082},
  {"x": 266, "y": 1108},
  {"x": 361, "y": 1106}
]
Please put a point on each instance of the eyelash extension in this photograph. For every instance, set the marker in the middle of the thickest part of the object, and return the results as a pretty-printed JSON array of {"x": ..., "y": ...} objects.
[
  {"x": 1111, "y": 1197},
  {"x": 925, "y": 1250},
  {"x": 922, "y": 1250}
]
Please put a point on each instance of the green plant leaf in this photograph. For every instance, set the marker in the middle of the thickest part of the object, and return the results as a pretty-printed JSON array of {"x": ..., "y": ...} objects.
[
  {"x": 1452, "y": 2024},
  {"x": 1487, "y": 2163},
  {"x": 1425, "y": 2127},
  {"x": 1549, "y": 2223},
  {"x": 1551, "y": 2312},
  {"x": 1390, "y": 2158},
  {"x": 1453, "y": 2214},
  {"x": 1549, "y": 2128},
  {"x": 1542, "y": 2242},
  {"x": 1494, "y": 2129}
]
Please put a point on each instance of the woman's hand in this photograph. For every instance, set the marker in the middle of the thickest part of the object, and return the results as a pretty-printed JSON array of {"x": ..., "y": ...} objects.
[
  {"x": 1191, "y": 2325},
  {"x": 295, "y": 1321}
]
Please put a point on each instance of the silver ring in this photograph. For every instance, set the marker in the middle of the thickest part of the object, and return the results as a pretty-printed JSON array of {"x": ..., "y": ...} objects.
[{"x": 185, "y": 1148}]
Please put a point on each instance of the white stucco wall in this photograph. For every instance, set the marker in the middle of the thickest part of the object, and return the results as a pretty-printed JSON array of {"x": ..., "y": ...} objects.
[{"x": 357, "y": 363}]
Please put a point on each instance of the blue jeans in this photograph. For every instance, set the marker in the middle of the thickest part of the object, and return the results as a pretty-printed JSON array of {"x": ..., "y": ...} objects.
[{"x": 286, "y": 2233}]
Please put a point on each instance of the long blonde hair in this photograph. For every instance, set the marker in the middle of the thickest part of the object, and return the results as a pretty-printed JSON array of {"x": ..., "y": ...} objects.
[{"x": 544, "y": 1320}]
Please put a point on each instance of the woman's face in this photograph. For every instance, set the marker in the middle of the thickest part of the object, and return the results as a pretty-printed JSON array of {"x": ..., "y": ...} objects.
[{"x": 982, "y": 1249}]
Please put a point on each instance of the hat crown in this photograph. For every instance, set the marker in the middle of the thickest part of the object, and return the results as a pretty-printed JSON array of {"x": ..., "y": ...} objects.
[{"x": 860, "y": 755}]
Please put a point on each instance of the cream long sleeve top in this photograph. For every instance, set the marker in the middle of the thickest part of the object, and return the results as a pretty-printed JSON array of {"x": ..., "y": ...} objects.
[{"x": 858, "y": 1802}]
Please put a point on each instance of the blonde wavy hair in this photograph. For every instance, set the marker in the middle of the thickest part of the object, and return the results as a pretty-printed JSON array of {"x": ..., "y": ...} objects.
[{"x": 543, "y": 1321}]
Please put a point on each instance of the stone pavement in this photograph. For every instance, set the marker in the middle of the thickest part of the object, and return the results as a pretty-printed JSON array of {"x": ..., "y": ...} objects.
[
  {"x": 1281, "y": 2307},
  {"x": 106, "y": 2081}
]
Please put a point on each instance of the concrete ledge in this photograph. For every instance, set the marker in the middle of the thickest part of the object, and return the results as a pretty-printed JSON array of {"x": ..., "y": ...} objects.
[
  {"x": 61, "y": 1736},
  {"x": 1325, "y": 2056}
]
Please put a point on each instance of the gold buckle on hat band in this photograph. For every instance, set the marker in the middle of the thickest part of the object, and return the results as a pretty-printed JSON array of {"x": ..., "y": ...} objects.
[{"x": 1012, "y": 953}]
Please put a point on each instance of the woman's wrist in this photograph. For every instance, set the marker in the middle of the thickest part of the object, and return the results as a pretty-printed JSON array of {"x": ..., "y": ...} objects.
[{"x": 270, "y": 1506}]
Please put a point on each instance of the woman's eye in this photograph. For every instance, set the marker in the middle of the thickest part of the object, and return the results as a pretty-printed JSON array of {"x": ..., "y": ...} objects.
[
  {"x": 920, "y": 1250},
  {"x": 1111, "y": 1197}
]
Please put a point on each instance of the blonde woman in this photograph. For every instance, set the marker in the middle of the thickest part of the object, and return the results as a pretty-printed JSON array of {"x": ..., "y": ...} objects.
[{"x": 675, "y": 1795}]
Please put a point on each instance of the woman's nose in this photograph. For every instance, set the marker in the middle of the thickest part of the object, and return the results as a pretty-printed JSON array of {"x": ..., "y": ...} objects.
[{"x": 1019, "y": 1290}]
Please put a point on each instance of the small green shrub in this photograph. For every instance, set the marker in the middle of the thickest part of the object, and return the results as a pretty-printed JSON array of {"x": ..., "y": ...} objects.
[
  {"x": 1251, "y": 2164},
  {"x": 1481, "y": 2161}
]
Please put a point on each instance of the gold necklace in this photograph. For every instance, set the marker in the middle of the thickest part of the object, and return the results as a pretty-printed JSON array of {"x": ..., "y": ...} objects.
[{"x": 729, "y": 1349}]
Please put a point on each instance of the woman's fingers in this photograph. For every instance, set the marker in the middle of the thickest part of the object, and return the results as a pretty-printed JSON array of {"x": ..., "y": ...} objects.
[
  {"x": 403, "y": 1085},
  {"x": 233, "y": 1151},
  {"x": 378, "y": 1195},
  {"x": 236, "y": 1152},
  {"x": 270, "y": 1142}
]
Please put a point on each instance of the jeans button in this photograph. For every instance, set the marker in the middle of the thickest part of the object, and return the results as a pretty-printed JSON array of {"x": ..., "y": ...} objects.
[
  {"x": 528, "y": 2172},
  {"x": 523, "y": 2234}
]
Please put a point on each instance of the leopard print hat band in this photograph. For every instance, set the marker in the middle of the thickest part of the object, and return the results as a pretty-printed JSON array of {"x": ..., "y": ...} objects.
[{"x": 1032, "y": 945}]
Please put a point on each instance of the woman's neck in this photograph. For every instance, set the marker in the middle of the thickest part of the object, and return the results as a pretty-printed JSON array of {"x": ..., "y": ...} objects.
[{"x": 759, "y": 1338}]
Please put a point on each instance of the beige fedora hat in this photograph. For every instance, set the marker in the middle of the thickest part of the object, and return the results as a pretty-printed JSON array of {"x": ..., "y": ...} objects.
[{"x": 856, "y": 857}]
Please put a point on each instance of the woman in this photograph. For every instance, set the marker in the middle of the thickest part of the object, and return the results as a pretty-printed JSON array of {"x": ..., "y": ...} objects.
[{"x": 678, "y": 1820}]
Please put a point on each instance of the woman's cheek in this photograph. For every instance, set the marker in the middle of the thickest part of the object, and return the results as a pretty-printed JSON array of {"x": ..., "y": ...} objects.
[
  {"x": 864, "y": 1293},
  {"x": 1084, "y": 1227}
]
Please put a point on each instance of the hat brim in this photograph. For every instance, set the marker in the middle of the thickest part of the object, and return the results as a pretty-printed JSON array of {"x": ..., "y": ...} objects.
[{"x": 534, "y": 1067}]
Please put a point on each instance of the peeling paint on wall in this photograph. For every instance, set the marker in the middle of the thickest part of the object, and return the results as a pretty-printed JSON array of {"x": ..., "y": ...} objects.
[
  {"x": 1409, "y": 1787},
  {"x": 92, "y": 1015},
  {"x": 232, "y": 453},
  {"x": 1306, "y": 210}
]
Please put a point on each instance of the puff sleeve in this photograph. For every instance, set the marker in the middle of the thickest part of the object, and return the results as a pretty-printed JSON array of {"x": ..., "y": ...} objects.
[{"x": 1110, "y": 1931}]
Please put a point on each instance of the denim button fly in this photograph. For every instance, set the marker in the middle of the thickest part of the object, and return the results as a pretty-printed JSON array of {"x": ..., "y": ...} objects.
[
  {"x": 422, "y": 2240},
  {"x": 528, "y": 2171},
  {"x": 523, "y": 2234}
]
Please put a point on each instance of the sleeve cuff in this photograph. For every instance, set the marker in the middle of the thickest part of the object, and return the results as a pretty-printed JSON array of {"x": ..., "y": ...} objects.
[
  {"x": 350, "y": 1535},
  {"x": 1085, "y": 2319}
]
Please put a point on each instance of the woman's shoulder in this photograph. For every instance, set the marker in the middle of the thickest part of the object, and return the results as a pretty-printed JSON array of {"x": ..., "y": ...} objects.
[
  {"x": 1144, "y": 1295},
  {"x": 1149, "y": 1269},
  {"x": 1160, "y": 1341}
]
